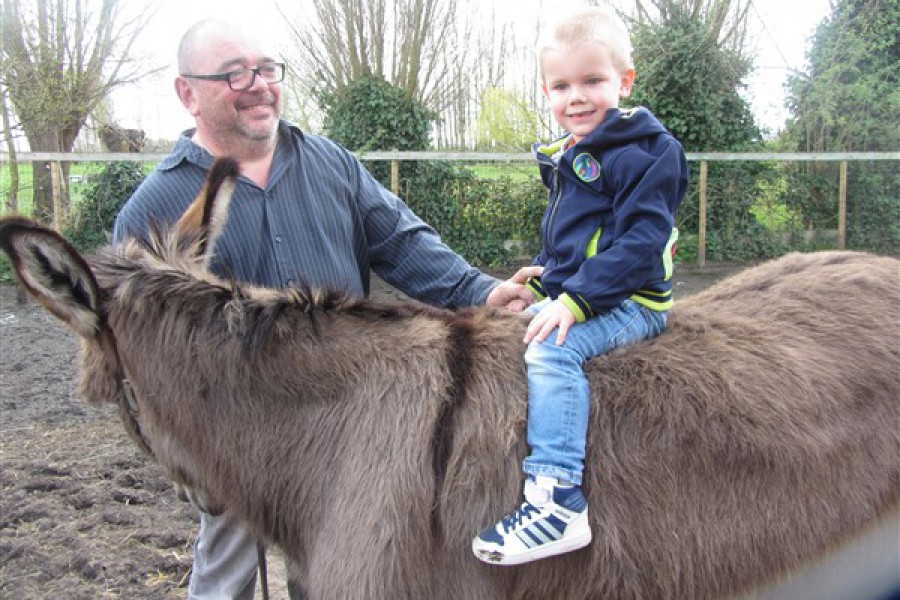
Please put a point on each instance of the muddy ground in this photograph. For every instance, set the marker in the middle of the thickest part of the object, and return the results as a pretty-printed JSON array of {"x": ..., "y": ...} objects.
[{"x": 84, "y": 515}]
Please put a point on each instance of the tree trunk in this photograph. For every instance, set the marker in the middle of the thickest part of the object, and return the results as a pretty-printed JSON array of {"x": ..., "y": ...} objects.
[
  {"x": 42, "y": 192},
  {"x": 12, "y": 194},
  {"x": 47, "y": 209}
]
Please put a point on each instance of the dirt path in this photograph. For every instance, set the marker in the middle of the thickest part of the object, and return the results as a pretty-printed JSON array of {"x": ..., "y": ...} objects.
[{"x": 83, "y": 515}]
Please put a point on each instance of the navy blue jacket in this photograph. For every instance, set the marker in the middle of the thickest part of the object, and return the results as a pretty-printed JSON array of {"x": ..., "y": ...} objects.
[{"x": 609, "y": 228}]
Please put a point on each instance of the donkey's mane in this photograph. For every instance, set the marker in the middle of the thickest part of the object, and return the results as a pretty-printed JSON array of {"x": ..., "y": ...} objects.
[{"x": 164, "y": 271}]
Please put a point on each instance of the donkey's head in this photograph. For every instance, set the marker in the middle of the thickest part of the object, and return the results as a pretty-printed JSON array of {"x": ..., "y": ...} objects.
[{"x": 54, "y": 273}]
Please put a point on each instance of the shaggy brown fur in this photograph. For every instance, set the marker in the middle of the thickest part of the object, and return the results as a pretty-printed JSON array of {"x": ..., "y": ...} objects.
[{"x": 374, "y": 441}]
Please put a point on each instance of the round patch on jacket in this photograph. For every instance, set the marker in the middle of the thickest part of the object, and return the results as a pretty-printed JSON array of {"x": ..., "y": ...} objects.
[{"x": 586, "y": 167}]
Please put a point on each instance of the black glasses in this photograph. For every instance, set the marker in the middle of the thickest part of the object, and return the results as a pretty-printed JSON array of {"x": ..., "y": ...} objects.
[{"x": 242, "y": 79}]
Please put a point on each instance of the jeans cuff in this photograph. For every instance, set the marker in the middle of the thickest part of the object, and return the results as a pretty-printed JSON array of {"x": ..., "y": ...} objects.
[{"x": 552, "y": 471}]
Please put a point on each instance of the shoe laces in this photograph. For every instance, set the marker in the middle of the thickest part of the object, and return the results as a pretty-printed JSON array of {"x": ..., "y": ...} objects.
[{"x": 519, "y": 516}]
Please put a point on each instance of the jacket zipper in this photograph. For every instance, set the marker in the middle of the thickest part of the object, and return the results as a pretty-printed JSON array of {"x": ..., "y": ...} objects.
[{"x": 556, "y": 200}]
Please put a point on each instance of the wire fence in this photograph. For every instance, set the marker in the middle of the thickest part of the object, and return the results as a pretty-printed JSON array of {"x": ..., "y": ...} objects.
[{"x": 731, "y": 211}]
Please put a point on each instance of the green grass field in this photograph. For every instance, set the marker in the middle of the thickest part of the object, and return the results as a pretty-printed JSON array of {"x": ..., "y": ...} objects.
[
  {"x": 515, "y": 171},
  {"x": 80, "y": 176}
]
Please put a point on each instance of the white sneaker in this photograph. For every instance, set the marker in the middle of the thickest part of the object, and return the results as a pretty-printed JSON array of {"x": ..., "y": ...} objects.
[{"x": 552, "y": 520}]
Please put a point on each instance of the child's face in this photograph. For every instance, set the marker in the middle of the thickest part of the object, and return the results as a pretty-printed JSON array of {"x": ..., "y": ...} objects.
[{"x": 582, "y": 83}]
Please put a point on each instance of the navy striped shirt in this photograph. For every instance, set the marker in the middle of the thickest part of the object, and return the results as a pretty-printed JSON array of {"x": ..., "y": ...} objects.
[{"x": 321, "y": 219}]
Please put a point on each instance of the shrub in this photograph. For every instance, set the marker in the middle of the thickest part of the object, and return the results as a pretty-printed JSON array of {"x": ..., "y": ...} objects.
[
  {"x": 91, "y": 223},
  {"x": 493, "y": 222}
]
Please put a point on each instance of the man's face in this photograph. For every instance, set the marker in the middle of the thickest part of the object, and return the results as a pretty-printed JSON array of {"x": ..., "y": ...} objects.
[{"x": 223, "y": 114}]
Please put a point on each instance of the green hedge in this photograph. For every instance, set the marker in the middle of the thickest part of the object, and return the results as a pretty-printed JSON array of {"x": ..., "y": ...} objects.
[
  {"x": 491, "y": 221},
  {"x": 91, "y": 221}
]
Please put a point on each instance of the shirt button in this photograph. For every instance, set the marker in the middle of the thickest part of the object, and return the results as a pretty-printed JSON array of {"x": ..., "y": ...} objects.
[{"x": 277, "y": 239}]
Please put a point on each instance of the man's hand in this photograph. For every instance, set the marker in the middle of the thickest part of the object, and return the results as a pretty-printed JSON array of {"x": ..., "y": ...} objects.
[
  {"x": 512, "y": 293},
  {"x": 556, "y": 314}
]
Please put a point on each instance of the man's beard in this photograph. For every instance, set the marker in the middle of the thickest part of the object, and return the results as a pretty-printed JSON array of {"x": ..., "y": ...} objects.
[
  {"x": 256, "y": 134},
  {"x": 251, "y": 130}
]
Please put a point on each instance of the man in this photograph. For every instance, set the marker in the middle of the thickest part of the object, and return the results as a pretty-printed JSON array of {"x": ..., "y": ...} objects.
[{"x": 304, "y": 209}]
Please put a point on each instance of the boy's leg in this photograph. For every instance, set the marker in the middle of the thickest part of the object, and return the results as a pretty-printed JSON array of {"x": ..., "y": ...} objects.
[
  {"x": 558, "y": 392},
  {"x": 554, "y": 517},
  {"x": 225, "y": 561},
  {"x": 558, "y": 403}
]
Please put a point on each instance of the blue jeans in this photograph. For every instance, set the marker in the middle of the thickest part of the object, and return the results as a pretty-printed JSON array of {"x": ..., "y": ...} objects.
[{"x": 558, "y": 394}]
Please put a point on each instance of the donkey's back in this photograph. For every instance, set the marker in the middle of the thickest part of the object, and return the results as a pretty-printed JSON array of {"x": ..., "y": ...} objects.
[{"x": 759, "y": 432}]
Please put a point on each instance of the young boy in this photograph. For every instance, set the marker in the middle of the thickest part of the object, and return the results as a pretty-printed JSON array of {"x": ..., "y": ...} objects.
[{"x": 616, "y": 180}]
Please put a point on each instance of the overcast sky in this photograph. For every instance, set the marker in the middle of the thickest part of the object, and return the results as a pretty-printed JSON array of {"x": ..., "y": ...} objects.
[{"x": 781, "y": 29}]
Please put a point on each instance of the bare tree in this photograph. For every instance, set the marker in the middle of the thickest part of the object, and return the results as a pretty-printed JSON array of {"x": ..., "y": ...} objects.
[
  {"x": 58, "y": 59},
  {"x": 410, "y": 43},
  {"x": 726, "y": 20},
  {"x": 442, "y": 53}
]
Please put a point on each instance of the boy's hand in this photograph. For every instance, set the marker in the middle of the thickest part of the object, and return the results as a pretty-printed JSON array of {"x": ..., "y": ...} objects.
[{"x": 555, "y": 314}]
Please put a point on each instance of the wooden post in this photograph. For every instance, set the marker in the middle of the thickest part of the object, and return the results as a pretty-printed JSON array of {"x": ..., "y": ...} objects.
[
  {"x": 701, "y": 233},
  {"x": 56, "y": 185},
  {"x": 842, "y": 207},
  {"x": 395, "y": 176}
]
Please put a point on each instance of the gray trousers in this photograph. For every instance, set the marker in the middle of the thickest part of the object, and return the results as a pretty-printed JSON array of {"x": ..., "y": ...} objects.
[{"x": 225, "y": 561}]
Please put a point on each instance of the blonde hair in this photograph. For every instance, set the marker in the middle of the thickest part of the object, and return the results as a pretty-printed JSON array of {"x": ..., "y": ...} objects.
[{"x": 588, "y": 24}]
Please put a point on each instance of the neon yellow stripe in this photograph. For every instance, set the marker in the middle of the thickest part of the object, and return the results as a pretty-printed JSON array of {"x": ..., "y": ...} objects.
[
  {"x": 552, "y": 149},
  {"x": 591, "y": 249},
  {"x": 537, "y": 290},
  {"x": 654, "y": 293},
  {"x": 580, "y": 317},
  {"x": 668, "y": 263},
  {"x": 653, "y": 304}
]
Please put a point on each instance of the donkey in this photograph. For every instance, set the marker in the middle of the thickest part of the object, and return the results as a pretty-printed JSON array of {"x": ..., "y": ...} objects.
[{"x": 756, "y": 434}]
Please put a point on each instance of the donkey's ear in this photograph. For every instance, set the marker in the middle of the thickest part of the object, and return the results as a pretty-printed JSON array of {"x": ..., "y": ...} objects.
[
  {"x": 53, "y": 272},
  {"x": 208, "y": 213}
]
